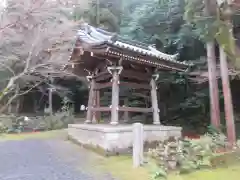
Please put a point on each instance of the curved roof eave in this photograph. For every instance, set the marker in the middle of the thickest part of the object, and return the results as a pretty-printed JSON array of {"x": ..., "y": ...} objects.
[{"x": 97, "y": 38}]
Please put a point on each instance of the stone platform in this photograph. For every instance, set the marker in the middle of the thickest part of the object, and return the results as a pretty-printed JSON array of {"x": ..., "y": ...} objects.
[{"x": 113, "y": 140}]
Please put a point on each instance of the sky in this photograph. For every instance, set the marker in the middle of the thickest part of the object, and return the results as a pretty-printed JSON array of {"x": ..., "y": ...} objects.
[{"x": 3, "y": 3}]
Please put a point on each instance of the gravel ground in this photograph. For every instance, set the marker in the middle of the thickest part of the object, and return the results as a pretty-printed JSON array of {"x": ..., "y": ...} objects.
[{"x": 46, "y": 160}]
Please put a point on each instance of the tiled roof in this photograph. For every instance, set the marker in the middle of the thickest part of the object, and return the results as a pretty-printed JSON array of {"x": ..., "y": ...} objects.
[{"x": 95, "y": 37}]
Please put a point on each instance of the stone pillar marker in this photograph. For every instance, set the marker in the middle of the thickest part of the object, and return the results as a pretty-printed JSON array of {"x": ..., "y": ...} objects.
[
  {"x": 156, "y": 118},
  {"x": 137, "y": 145}
]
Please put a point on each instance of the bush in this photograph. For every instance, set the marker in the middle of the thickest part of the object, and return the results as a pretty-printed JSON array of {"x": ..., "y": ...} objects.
[
  {"x": 3, "y": 128},
  {"x": 6, "y": 123},
  {"x": 59, "y": 120},
  {"x": 186, "y": 155}
]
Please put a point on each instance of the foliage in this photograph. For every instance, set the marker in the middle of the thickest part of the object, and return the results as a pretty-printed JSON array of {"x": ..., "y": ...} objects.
[
  {"x": 187, "y": 155},
  {"x": 36, "y": 39},
  {"x": 163, "y": 25},
  {"x": 6, "y": 123},
  {"x": 213, "y": 25},
  {"x": 3, "y": 128},
  {"x": 100, "y": 13},
  {"x": 59, "y": 120}
]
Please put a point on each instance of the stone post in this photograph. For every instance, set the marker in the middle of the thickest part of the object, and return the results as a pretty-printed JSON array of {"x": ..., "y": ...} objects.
[{"x": 137, "y": 144}]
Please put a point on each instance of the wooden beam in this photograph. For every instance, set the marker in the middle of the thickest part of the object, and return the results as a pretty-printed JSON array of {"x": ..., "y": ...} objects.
[
  {"x": 136, "y": 75},
  {"x": 102, "y": 76},
  {"x": 135, "y": 85},
  {"x": 129, "y": 84},
  {"x": 124, "y": 109},
  {"x": 103, "y": 85},
  {"x": 135, "y": 109},
  {"x": 142, "y": 76},
  {"x": 101, "y": 109}
]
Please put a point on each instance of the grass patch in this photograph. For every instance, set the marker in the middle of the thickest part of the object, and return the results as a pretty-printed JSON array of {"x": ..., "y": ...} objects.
[
  {"x": 121, "y": 168},
  {"x": 34, "y": 135},
  {"x": 231, "y": 173}
]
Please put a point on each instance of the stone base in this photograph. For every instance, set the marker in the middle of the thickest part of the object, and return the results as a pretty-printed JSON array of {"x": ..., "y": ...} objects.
[{"x": 113, "y": 140}]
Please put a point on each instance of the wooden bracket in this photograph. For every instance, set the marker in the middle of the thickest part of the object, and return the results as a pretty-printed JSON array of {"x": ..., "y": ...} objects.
[
  {"x": 89, "y": 73},
  {"x": 109, "y": 62},
  {"x": 112, "y": 68},
  {"x": 89, "y": 78},
  {"x": 52, "y": 89},
  {"x": 155, "y": 77},
  {"x": 120, "y": 61},
  {"x": 81, "y": 51}
]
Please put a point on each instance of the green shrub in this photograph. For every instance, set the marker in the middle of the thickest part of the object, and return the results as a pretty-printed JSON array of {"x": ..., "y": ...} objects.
[
  {"x": 6, "y": 122},
  {"x": 57, "y": 121},
  {"x": 186, "y": 155},
  {"x": 3, "y": 128}
]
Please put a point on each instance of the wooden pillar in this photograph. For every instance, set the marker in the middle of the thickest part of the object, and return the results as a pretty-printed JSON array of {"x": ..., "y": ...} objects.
[
  {"x": 90, "y": 100},
  {"x": 96, "y": 104},
  {"x": 156, "y": 118},
  {"x": 97, "y": 114},
  {"x": 115, "y": 98},
  {"x": 50, "y": 90},
  {"x": 94, "y": 118},
  {"x": 126, "y": 113},
  {"x": 115, "y": 71},
  {"x": 19, "y": 101},
  {"x": 10, "y": 108}
]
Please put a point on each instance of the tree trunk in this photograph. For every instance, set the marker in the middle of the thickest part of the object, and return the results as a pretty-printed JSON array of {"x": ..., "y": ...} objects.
[
  {"x": 213, "y": 86},
  {"x": 229, "y": 116},
  {"x": 228, "y": 106},
  {"x": 212, "y": 77}
]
